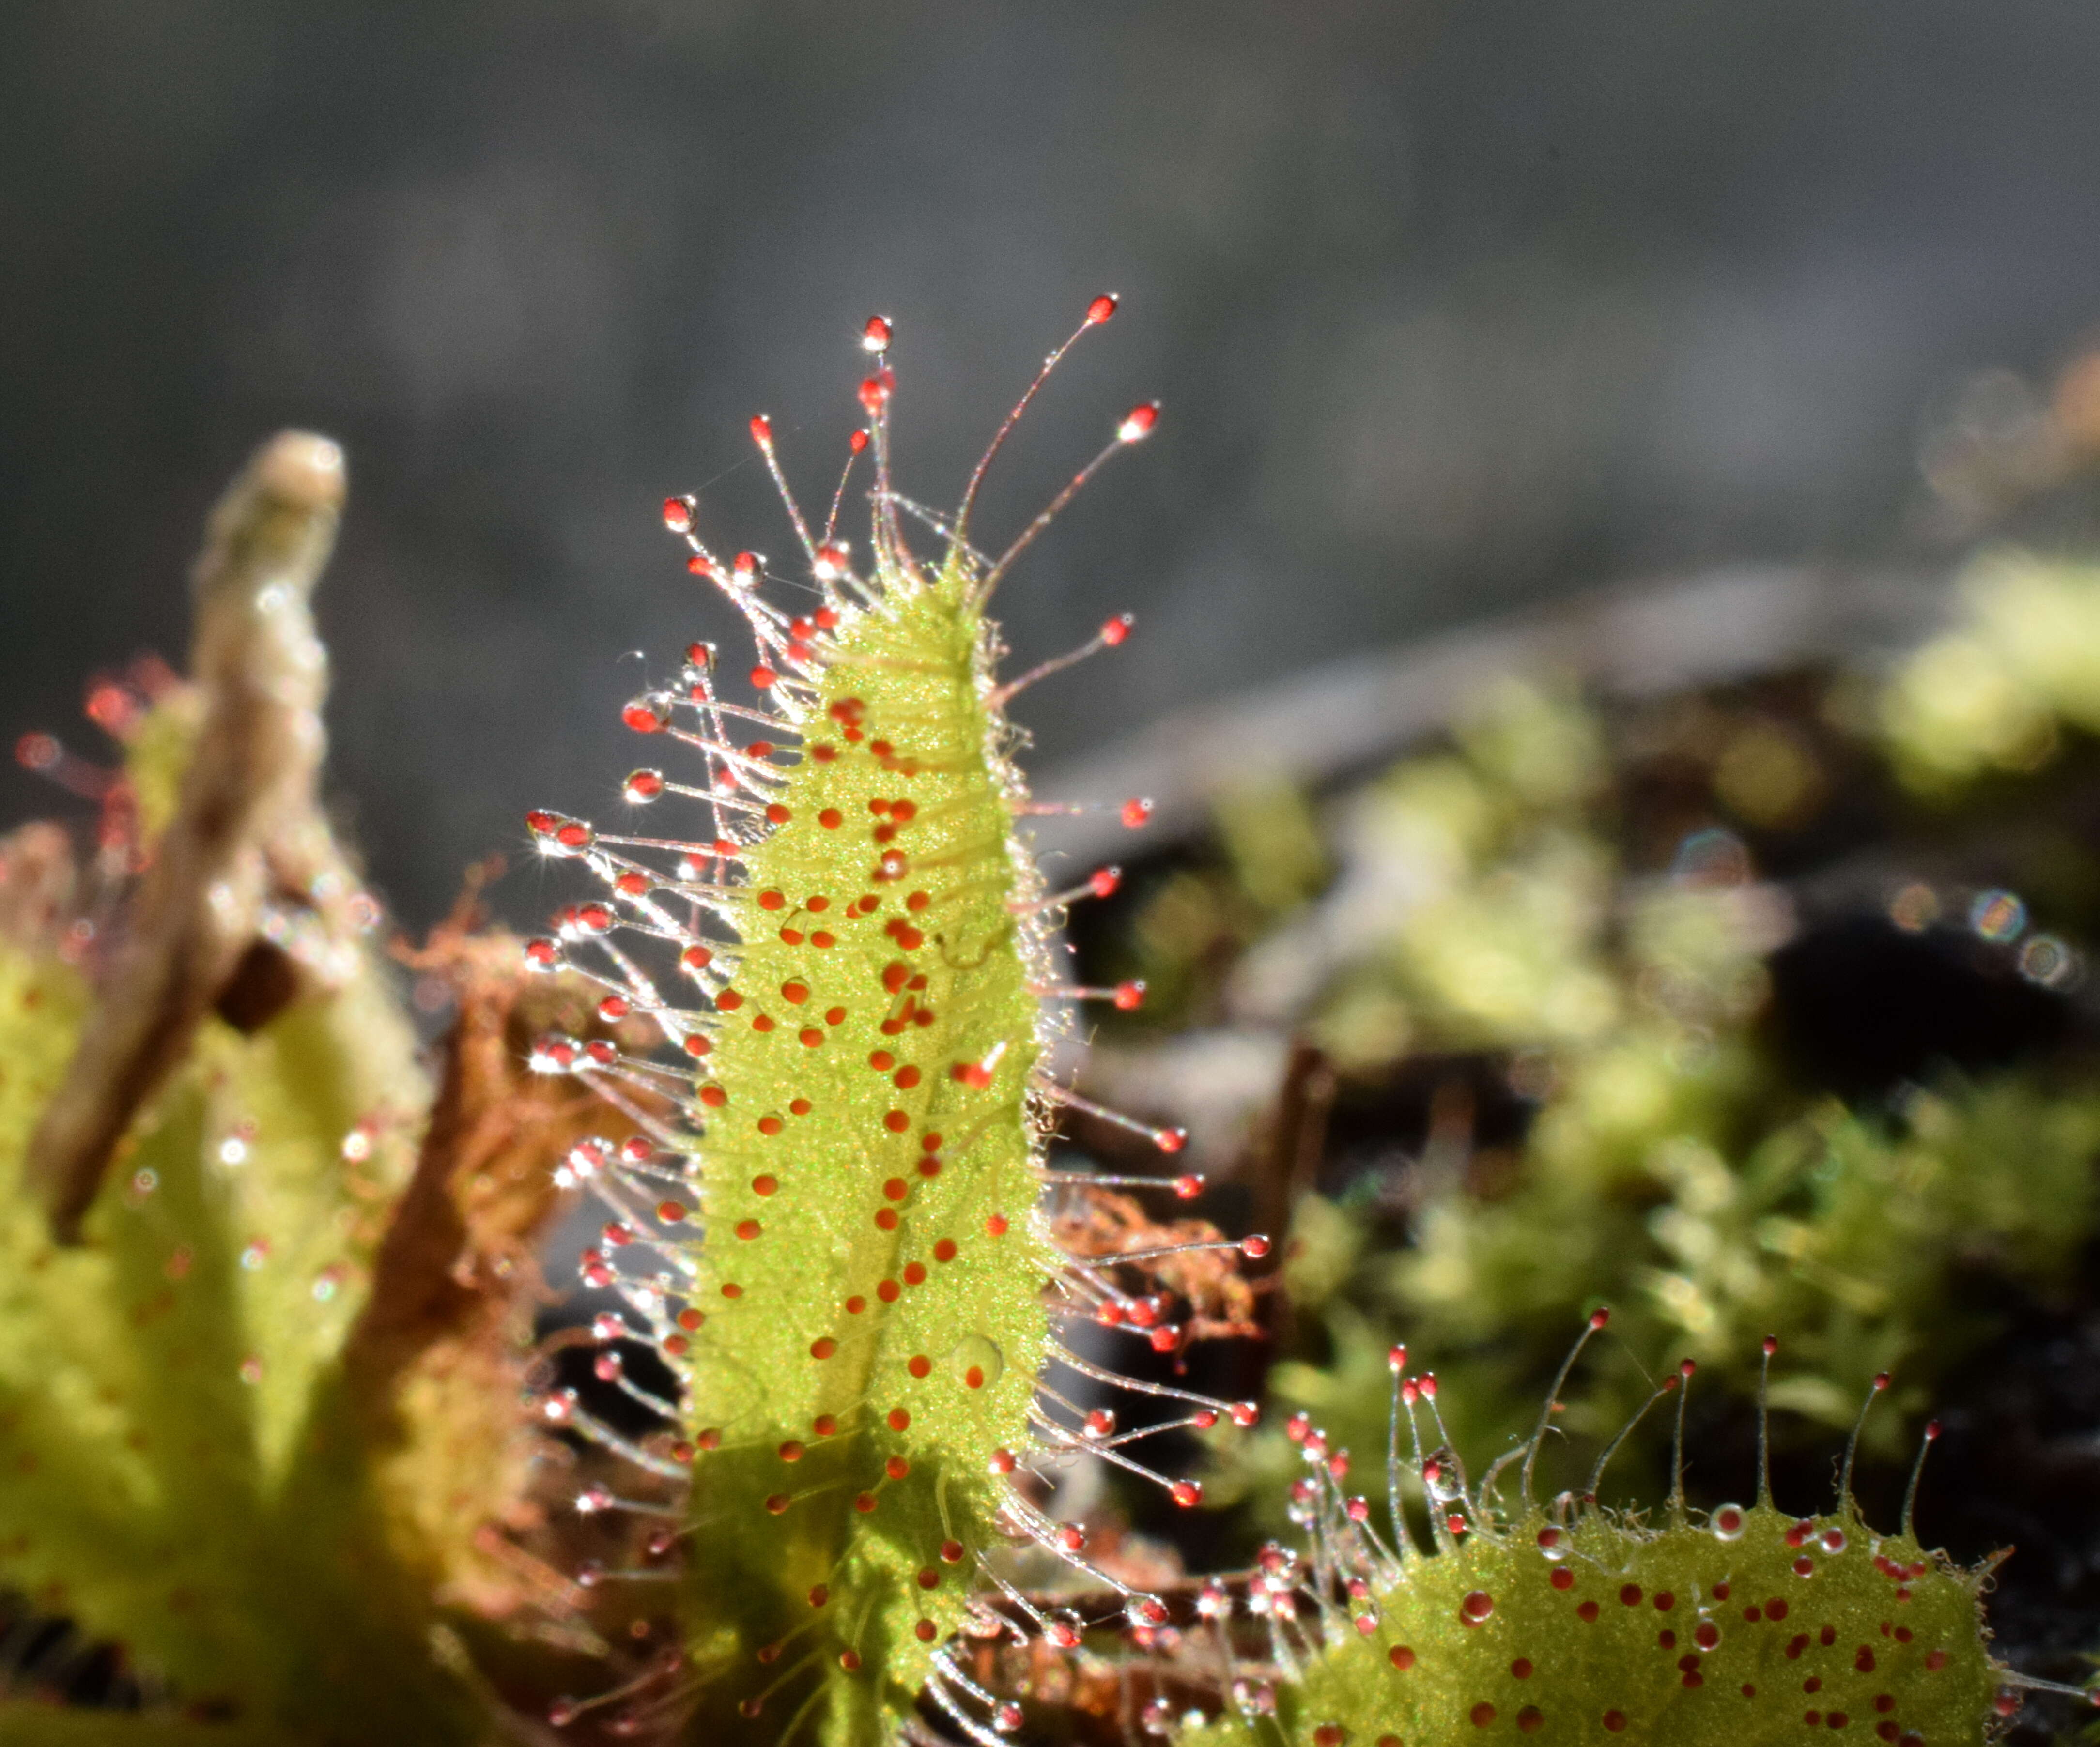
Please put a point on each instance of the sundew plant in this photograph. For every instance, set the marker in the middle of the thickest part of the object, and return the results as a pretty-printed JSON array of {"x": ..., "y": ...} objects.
[
  {"x": 281, "y": 1460},
  {"x": 828, "y": 1221},
  {"x": 1568, "y": 1620}
]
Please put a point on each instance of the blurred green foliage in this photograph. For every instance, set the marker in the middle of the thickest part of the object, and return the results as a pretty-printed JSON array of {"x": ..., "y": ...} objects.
[
  {"x": 1997, "y": 691},
  {"x": 1507, "y": 912},
  {"x": 187, "y": 1469}
]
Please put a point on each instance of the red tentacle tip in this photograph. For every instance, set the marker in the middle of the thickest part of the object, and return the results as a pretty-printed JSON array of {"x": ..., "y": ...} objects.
[
  {"x": 678, "y": 514},
  {"x": 1137, "y": 423},
  {"x": 1101, "y": 308},
  {"x": 1189, "y": 1185},
  {"x": 1104, "y": 881},
  {"x": 1254, "y": 1247},
  {"x": 1130, "y": 996},
  {"x": 875, "y": 336},
  {"x": 1116, "y": 631},
  {"x": 761, "y": 431},
  {"x": 1397, "y": 1361},
  {"x": 1136, "y": 811},
  {"x": 875, "y": 393},
  {"x": 1771, "y": 1345},
  {"x": 1170, "y": 1140},
  {"x": 1600, "y": 1316}
]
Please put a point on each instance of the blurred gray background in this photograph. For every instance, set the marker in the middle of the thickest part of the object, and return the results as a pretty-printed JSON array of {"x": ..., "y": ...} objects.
[{"x": 1452, "y": 306}]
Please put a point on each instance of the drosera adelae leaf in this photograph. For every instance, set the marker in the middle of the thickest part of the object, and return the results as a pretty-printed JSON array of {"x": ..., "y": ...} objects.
[
  {"x": 828, "y": 1229},
  {"x": 1733, "y": 1627}
]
